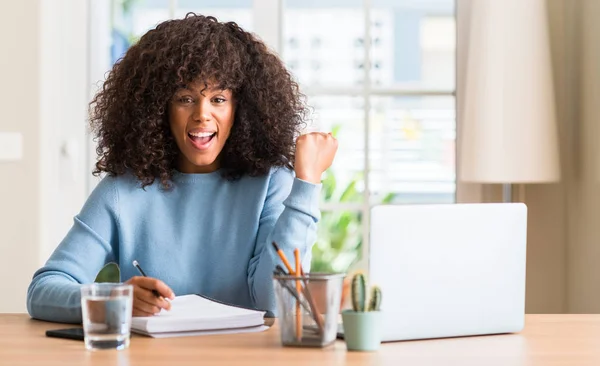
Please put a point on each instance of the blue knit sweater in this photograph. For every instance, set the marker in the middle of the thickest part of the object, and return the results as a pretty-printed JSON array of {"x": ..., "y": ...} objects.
[{"x": 206, "y": 235}]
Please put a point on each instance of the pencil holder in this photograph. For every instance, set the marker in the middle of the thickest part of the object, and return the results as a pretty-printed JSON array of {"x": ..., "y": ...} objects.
[{"x": 308, "y": 308}]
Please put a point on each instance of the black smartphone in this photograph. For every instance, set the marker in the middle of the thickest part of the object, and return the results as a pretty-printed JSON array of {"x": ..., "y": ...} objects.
[{"x": 68, "y": 333}]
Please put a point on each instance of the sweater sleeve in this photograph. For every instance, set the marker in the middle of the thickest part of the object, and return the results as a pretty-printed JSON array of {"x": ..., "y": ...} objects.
[
  {"x": 289, "y": 218},
  {"x": 54, "y": 292}
]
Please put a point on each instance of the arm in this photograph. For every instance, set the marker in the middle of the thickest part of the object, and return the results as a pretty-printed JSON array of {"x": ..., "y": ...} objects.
[
  {"x": 53, "y": 294},
  {"x": 289, "y": 218}
]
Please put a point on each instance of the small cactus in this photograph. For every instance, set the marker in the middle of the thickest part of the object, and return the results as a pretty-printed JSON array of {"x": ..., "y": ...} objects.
[
  {"x": 359, "y": 292},
  {"x": 359, "y": 295},
  {"x": 375, "y": 301}
]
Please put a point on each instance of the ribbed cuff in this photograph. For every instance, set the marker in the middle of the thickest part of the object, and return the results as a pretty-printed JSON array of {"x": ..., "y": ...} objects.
[{"x": 305, "y": 197}]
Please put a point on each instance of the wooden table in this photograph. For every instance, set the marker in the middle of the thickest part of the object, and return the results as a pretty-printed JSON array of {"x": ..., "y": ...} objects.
[{"x": 547, "y": 340}]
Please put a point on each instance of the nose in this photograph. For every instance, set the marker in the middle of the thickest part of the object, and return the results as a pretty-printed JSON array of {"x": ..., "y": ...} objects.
[{"x": 202, "y": 111}]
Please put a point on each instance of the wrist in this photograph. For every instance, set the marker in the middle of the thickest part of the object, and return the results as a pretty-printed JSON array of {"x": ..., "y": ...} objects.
[{"x": 311, "y": 178}]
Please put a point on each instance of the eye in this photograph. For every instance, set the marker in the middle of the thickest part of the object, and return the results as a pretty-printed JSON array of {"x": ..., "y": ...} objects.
[
  {"x": 219, "y": 100},
  {"x": 185, "y": 100}
]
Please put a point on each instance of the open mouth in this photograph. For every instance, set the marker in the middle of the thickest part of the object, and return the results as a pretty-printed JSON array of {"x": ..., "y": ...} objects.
[{"x": 201, "y": 140}]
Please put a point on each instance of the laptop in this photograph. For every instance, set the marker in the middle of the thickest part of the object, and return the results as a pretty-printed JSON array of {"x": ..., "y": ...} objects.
[{"x": 449, "y": 270}]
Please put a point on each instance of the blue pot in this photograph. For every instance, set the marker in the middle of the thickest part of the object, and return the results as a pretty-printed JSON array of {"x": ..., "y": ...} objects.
[{"x": 362, "y": 330}]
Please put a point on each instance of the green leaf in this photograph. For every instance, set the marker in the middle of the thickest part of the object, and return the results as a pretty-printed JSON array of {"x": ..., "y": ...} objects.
[
  {"x": 335, "y": 130},
  {"x": 109, "y": 273},
  {"x": 329, "y": 184},
  {"x": 388, "y": 198},
  {"x": 349, "y": 193}
]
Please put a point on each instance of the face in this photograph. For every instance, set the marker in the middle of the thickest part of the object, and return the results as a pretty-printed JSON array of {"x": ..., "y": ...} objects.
[{"x": 201, "y": 119}]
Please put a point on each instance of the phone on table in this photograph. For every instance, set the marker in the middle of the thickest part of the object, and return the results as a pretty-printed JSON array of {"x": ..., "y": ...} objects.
[{"x": 67, "y": 333}]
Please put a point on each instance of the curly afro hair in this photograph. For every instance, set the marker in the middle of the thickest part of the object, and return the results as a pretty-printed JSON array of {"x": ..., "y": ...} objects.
[{"x": 129, "y": 115}]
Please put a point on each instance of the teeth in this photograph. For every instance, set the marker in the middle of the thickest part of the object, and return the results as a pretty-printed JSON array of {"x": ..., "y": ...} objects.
[{"x": 202, "y": 134}]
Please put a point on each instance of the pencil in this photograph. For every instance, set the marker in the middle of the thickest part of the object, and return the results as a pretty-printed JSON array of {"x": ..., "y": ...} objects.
[
  {"x": 299, "y": 290},
  {"x": 139, "y": 268},
  {"x": 292, "y": 289},
  {"x": 284, "y": 259},
  {"x": 313, "y": 307}
]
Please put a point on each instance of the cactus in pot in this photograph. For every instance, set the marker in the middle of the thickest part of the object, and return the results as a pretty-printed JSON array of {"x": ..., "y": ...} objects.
[
  {"x": 359, "y": 297},
  {"x": 362, "y": 324}
]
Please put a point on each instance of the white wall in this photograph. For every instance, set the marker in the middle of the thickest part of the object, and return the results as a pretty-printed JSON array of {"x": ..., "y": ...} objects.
[
  {"x": 63, "y": 119},
  {"x": 42, "y": 96},
  {"x": 19, "y": 180}
]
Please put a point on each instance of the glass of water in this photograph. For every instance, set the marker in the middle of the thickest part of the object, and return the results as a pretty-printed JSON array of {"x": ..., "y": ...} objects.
[{"x": 106, "y": 314}]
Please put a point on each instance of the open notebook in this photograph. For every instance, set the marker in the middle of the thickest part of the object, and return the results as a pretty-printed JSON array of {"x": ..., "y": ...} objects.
[{"x": 198, "y": 315}]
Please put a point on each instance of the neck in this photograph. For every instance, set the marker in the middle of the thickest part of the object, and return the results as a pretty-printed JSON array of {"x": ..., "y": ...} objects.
[{"x": 184, "y": 166}]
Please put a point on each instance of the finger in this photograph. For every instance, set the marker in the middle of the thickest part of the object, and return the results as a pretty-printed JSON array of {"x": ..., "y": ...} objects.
[
  {"x": 143, "y": 306},
  {"x": 154, "y": 284},
  {"x": 146, "y": 307},
  {"x": 330, "y": 136},
  {"x": 149, "y": 297},
  {"x": 137, "y": 312}
]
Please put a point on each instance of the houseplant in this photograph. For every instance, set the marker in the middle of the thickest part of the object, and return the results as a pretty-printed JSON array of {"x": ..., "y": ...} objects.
[
  {"x": 339, "y": 239},
  {"x": 362, "y": 324},
  {"x": 338, "y": 246},
  {"x": 109, "y": 273}
]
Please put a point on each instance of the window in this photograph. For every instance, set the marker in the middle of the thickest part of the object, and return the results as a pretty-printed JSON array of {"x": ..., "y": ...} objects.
[
  {"x": 130, "y": 19},
  {"x": 380, "y": 74}
]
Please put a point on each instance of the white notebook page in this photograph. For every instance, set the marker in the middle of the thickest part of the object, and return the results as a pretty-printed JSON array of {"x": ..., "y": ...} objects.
[{"x": 196, "y": 313}]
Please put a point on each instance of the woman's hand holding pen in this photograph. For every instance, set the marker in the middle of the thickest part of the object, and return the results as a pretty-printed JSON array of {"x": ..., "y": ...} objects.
[
  {"x": 314, "y": 154},
  {"x": 145, "y": 302}
]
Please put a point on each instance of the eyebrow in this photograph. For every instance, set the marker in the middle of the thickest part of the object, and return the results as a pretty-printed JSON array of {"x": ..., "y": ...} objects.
[{"x": 206, "y": 89}]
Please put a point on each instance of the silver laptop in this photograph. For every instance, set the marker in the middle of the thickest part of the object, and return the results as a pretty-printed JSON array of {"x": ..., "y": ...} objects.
[{"x": 449, "y": 270}]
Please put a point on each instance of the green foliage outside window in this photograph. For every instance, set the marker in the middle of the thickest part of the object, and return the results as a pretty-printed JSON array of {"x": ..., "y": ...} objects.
[{"x": 339, "y": 236}]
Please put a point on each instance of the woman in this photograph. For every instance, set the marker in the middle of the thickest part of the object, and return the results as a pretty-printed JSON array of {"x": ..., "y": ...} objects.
[{"x": 197, "y": 131}]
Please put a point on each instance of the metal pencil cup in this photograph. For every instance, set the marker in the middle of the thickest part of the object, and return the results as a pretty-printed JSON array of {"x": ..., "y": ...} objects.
[{"x": 308, "y": 308}]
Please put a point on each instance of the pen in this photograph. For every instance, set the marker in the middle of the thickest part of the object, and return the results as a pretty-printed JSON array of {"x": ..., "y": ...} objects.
[{"x": 139, "y": 268}]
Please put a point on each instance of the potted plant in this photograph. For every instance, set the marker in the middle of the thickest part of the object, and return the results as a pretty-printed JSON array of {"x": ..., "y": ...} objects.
[
  {"x": 110, "y": 273},
  {"x": 362, "y": 324}
]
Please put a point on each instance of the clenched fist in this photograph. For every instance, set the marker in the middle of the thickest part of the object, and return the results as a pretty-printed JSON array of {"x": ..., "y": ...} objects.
[{"x": 314, "y": 154}]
